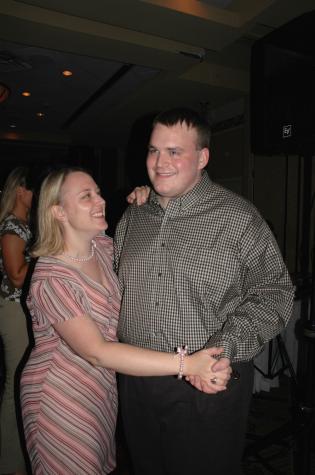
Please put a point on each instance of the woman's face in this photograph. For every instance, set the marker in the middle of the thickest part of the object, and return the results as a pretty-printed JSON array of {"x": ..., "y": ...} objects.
[{"x": 82, "y": 205}]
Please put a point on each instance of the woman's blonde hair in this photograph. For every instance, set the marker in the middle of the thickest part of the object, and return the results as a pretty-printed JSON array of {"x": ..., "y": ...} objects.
[
  {"x": 18, "y": 177},
  {"x": 50, "y": 241}
]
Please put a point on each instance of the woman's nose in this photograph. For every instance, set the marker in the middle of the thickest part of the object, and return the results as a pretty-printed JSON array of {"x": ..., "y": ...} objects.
[{"x": 100, "y": 199}]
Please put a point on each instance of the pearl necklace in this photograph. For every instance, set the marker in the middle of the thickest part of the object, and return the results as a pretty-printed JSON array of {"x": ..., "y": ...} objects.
[{"x": 83, "y": 259}]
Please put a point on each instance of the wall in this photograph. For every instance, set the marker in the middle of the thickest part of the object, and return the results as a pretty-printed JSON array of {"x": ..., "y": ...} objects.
[
  {"x": 279, "y": 194},
  {"x": 275, "y": 184}
]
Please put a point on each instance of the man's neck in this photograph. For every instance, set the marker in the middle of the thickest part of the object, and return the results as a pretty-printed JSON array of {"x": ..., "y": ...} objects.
[{"x": 163, "y": 201}]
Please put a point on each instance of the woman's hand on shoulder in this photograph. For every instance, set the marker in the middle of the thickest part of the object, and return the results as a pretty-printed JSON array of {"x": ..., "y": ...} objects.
[{"x": 139, "y": 195}]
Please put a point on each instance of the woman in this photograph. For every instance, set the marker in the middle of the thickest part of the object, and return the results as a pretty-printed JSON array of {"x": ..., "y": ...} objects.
[
  {"x": 15, "y": 236},
  {"x": 68, "y": 386}
]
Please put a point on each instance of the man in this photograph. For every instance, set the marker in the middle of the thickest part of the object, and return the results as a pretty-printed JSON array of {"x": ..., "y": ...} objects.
[{"x": 199, "y": 267}]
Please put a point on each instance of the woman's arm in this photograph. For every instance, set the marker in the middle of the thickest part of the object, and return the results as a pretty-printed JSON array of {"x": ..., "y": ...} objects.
[
  {"x": 83, "y": 336},
  {"x": 14, "y": 263}
]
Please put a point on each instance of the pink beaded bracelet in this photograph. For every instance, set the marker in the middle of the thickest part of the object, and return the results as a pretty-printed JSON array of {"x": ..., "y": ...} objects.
[{"x": 182, "y": 352}]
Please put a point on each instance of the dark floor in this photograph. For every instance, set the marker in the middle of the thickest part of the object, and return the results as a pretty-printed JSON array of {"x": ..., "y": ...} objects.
[
  {"x": 270, "y": 442},
  {"x": 271, "y": 448}
]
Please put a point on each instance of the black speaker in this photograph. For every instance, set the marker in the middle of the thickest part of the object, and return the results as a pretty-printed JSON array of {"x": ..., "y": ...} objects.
[{"x": 282, "y": 91}]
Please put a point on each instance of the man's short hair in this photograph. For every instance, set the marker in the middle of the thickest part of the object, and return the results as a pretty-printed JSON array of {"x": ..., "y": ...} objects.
[{"x": 189, "y": 117}]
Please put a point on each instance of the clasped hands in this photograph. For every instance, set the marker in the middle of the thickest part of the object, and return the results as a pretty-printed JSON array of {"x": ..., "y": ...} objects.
[{"x": 214, "y": 372}]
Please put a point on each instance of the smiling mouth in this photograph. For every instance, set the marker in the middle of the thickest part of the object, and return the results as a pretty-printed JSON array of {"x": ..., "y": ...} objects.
[{"x": 165, "y": 175}]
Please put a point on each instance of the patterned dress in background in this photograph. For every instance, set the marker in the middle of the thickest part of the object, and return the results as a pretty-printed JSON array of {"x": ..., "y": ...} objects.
[
  {"x": 69, "y": 406},
  {"x": 14, "y": 337},
  {"x": 14, "y": 226}
]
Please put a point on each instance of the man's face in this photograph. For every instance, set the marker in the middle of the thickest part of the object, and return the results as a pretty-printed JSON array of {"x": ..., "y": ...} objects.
[{"x": 174, "y": 163}]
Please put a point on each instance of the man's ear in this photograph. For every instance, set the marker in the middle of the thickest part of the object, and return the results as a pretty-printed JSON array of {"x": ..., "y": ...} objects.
[
  {"x": 204, "y": 156},
  {"x": 58, "y": 212}
]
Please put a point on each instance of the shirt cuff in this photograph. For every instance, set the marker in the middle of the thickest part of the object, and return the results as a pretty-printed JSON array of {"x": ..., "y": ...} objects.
[{"x": 229, "y": 348}]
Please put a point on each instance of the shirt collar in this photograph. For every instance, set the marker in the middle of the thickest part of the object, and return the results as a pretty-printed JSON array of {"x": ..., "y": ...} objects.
[{"x": 189, "y": 199}]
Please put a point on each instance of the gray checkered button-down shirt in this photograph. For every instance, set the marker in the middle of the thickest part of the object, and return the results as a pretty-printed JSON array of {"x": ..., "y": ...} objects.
[{"x": 206, "y": 271}]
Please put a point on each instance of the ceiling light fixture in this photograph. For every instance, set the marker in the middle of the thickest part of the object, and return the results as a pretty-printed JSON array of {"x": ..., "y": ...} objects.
[
  {"x": 26, "y": 93},
  {"x": 67, "y": 73},
  {"x": 40, "y": 114}
]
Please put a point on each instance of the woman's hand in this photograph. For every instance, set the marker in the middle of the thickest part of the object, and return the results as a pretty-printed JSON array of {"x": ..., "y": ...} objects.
[
  {"x": 139, "y": 195},
  {"x": 207, "y": 373}
]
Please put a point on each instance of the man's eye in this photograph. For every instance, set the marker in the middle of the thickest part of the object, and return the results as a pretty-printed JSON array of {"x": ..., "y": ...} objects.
[
  {"x": 174, "y": 153},
  {"x": 86, "y": 196},
  {"x": 152, "y": 151}
]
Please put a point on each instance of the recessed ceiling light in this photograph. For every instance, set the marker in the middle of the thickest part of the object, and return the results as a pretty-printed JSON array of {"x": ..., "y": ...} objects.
[
  {"x": 13, "y": 126},
  {"x": 26, "y": 93},
  {"x": 40, "y": 114},
  {"x": 67, "y": 73}
]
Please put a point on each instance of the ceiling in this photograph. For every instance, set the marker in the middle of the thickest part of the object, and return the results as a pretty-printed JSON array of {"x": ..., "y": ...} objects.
[{"x": 129, "y": 58}]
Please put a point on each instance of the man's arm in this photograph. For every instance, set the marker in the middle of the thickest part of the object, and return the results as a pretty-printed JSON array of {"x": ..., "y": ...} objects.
[
  {"x": 138, "y": 196},
  {"x": 266, "y": 299},
  {"x": 120, "y": 236}
]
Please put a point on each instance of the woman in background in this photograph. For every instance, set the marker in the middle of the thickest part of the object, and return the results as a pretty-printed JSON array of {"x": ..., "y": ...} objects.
[
  {"x": 68, "y": 385},
  {"x": 15, "y": 236}
]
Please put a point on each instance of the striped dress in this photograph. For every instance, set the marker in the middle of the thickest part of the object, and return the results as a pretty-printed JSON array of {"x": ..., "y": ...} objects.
[{"x": 69, "y": 407}]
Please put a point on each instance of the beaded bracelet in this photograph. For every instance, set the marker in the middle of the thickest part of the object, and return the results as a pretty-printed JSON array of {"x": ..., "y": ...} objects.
[{"x": 181, "y": 352}]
